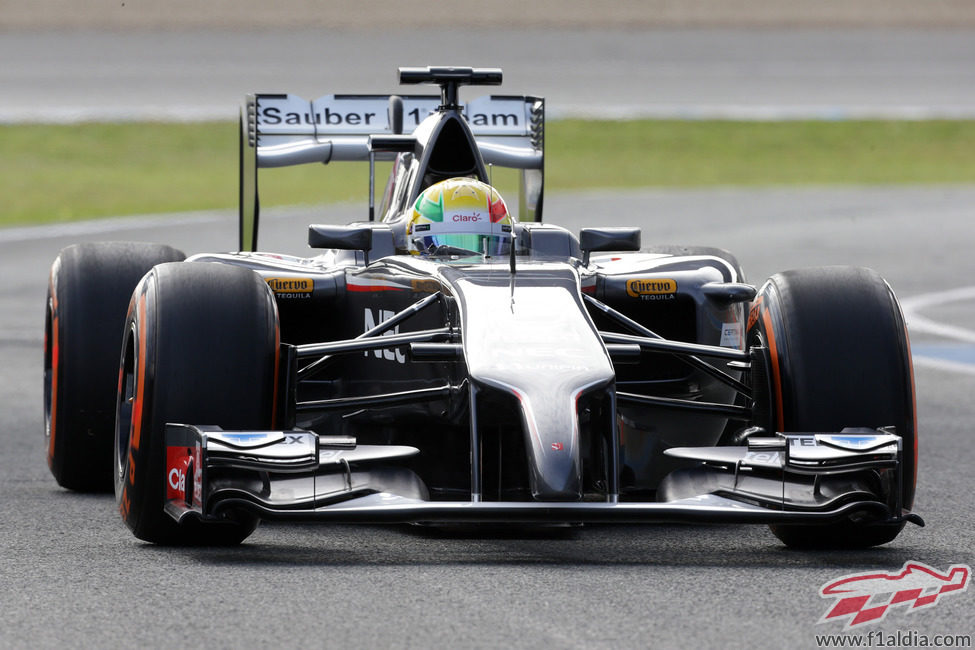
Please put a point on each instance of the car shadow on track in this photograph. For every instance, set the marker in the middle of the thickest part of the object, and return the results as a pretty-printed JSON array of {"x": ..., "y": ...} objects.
[
  {"x": 638, "y": 546},
  {"x": 650, "y": 545}
]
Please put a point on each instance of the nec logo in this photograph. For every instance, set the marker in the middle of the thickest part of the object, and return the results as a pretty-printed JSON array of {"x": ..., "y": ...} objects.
[
  {"x": 389, "y": 354},
  {"x": 867, "y": 597}
]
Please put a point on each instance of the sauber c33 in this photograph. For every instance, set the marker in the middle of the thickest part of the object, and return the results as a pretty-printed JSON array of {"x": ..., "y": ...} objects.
[{"x": 416, "y": 370}]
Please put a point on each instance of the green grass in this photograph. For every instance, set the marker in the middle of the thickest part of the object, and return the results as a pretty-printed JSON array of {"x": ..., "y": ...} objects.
[
  {"x": 670, "y": 153},
  {"x": 62, "y": 173}
]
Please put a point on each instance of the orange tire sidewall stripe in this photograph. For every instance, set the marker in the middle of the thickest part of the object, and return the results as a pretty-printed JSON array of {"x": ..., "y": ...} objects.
[
  {"x": 910, "y": 370},
  {"x": 776, "y": 371},
  {"x": 55, "y": 370},
  {"x": 140, "y": 375},
  {"x": 125, "y": 499}
]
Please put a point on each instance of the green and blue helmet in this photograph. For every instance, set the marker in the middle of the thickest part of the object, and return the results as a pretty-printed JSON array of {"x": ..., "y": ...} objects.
[{"x": 460, "y": 213}]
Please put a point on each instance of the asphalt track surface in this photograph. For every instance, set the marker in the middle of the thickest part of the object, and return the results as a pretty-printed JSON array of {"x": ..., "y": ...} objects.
[
  {"x": 64, "y": 75},
  {"x": 72, "y": 575}
]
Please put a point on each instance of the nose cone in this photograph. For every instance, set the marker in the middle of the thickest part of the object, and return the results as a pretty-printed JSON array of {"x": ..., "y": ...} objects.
[
  {"x": 536, "y": 342},
  {"x": 550, "y": 422}
]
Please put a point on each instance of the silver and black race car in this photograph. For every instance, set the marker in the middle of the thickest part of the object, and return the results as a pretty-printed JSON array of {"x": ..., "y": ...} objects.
[{"x": 534, "y": 376}]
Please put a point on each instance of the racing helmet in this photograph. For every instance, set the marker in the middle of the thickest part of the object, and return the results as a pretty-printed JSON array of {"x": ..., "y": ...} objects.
[{"x": 458, "y": 215}]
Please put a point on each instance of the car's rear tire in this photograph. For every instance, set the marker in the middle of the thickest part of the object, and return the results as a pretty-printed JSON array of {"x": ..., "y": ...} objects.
[
  {"x": 201, "y": 347},
  {"x": 839, "y": 357},
  {"x": 88, "y": 293}
]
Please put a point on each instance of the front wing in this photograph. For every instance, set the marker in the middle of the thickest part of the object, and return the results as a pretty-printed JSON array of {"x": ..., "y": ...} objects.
[{"x": 301, "y": 475}]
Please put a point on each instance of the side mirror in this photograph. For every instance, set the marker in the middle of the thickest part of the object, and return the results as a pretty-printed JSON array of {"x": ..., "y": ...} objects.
[
  {"x": 347, "y": 238},
  {"x": 608, "y": 239},
  {"x": 366, "y": 237}
]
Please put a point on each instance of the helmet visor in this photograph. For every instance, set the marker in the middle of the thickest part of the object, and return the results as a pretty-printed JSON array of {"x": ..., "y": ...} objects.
[{"x": 460, "y": 243}]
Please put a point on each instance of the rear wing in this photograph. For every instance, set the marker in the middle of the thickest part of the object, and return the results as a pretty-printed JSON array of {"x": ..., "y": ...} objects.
[{"x": 284, "y": 130}]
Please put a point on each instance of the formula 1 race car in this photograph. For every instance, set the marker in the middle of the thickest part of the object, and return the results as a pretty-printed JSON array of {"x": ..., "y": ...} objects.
[{"x": 450, "y": 363}]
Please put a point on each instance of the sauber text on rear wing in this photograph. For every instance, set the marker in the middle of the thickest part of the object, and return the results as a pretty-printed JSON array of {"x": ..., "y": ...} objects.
[{"x": 283, "y": 130}]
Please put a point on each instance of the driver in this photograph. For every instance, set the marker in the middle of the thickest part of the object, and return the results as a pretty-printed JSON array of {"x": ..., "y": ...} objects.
[{"x": 459, "y": 216}]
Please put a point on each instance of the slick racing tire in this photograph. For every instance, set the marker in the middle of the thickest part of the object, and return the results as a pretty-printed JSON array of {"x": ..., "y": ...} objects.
[
  {"x": 201, "y": 347},
  {"x": 839, "y": 357},
  {"x": 88, "y": 293}
]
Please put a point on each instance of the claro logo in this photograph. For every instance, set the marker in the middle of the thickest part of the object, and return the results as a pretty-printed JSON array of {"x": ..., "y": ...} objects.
[
  {"x": 177, "y": 463},
  {"x": 639, "y": 287},
  {"x": 177, "y": 480}
]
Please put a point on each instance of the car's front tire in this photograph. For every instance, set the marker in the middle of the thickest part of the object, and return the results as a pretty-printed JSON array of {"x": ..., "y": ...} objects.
[
  {"x": 201, "y": 347},
  {"x": 838, "y": 357}
]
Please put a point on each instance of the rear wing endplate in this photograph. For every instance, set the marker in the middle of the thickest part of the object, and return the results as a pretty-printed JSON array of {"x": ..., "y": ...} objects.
[{"x": 284, "y": 130}]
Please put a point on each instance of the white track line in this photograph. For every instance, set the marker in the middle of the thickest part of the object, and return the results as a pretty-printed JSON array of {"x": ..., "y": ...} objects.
[
  {"x": 943, "y": 364},
  {"x": 917, "y": 323},
  {"x": 98, "y": 226},
  {"x": 115, "y": 224}
]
